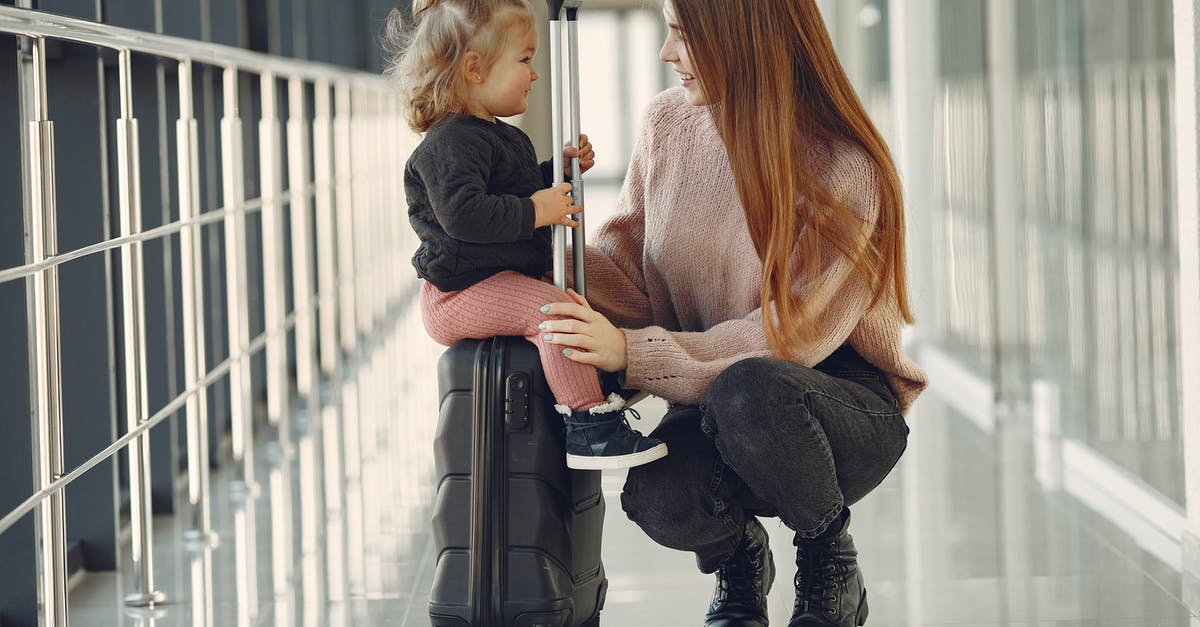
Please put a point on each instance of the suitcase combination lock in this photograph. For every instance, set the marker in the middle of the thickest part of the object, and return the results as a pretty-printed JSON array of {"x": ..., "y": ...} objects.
[{"x": 516, "y": 401}]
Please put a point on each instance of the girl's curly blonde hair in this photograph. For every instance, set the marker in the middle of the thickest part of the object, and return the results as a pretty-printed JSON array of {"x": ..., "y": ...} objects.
[{"x": 426, "y": 57}]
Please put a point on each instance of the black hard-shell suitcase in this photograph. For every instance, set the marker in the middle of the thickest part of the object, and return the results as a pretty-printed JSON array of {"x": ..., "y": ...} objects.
[{"x": 517, "y": 533}]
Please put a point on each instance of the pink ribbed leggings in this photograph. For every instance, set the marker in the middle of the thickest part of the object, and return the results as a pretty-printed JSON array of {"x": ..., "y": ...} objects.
[{"x": 509, "y": 303}]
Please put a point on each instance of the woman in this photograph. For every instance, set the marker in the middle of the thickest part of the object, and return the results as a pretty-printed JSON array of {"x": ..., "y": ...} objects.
[{"x": 759, "y": 180}]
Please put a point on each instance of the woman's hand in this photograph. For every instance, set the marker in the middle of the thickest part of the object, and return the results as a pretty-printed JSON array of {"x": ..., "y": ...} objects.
[
  {"x": 589, "y": 337},
  {"x": 587, "y": 156}
]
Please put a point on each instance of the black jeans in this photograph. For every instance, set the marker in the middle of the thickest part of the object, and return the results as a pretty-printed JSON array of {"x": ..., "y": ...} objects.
[{"x": 773, "y": 438}]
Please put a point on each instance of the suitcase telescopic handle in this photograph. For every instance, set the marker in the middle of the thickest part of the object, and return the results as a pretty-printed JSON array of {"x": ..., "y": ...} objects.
[{"x": 569, "y": 9}]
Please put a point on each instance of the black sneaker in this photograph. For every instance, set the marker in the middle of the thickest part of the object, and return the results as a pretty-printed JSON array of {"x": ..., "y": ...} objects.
[
  {"x": 743, "y": 582},
  {"x": 601, "y": 438},
  {"x": 829, "y": 585}
]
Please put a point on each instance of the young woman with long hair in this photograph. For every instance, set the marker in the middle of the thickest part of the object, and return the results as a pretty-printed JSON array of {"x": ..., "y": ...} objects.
[{"x": 754, "y": 278}]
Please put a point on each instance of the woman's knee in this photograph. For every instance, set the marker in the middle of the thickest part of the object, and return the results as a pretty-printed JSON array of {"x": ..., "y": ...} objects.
[
  {"x": 661, "y": 508},
  {"x": 740, "y": 392}
]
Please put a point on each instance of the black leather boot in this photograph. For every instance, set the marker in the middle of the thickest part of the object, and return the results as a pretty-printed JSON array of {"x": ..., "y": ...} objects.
[
  {"x": 743, "y": 581},
  {"x": 829, "y": 585}
]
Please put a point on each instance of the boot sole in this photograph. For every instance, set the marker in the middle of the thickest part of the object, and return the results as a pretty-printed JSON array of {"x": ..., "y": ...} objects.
[{"x": 588, "y": 462}]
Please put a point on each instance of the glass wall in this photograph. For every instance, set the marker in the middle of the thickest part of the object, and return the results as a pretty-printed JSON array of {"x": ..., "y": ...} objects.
[
  {"x": 1097, "y": 213},
  {"x": 1052, "y": 229}
]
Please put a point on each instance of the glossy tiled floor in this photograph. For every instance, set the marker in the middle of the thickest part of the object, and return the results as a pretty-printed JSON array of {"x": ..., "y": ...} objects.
[{"x": 960, "y": 534}]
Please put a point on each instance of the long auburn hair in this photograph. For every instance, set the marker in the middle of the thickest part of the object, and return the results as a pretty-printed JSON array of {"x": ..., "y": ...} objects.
[{"x": 771, "y": 72}]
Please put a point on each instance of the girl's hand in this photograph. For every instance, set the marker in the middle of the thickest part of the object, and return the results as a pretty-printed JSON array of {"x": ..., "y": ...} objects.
[
  {"x": 553, "y": 206},
  {"x": 587, "y": 156},
  {"x": 591, "y": 339}
]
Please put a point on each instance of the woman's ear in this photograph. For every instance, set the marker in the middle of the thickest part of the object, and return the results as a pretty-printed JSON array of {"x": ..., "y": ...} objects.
[{"x": 472, "y": 67}]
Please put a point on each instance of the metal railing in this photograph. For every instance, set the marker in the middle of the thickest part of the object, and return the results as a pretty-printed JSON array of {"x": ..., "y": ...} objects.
[{"x": 340, "y": 189}]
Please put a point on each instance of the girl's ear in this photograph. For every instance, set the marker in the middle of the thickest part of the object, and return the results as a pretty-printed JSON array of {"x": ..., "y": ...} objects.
[{"x": 472, "y": 67}]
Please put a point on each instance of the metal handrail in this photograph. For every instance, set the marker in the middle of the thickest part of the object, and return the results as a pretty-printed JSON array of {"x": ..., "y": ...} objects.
[
  {"x": 171, "y": 228},
  {"x": 351, "y": 108},
  {"x": 37, "y": 24}
]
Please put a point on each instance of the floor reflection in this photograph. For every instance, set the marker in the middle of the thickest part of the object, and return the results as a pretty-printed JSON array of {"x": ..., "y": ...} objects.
[{"x": 962, "y": 532}]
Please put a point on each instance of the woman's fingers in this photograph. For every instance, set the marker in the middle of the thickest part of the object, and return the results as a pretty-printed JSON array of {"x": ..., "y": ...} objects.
[
  {"x": 583, "y": 357},
  {"x": 562, "y": 326},
  {"x": 570, "y": 310},
  {"x": 578, "y": 298},
  {"x": 570, "y": 339}
]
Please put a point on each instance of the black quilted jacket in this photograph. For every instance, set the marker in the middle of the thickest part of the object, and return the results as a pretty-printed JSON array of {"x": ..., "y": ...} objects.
[{"x": 468, "y": 185}]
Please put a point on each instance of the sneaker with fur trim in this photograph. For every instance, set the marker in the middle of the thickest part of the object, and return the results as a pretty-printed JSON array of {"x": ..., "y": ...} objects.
[{"x": 601, "y": 438}]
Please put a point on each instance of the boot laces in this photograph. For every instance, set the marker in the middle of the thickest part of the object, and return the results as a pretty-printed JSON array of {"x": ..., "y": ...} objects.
[
  {"x": 803, "y": 579},
  {"x": 588, "y": 424},
  {"x": 828, "y": 576},
  {"x": 626, "y": 411},
  {"x": 739, "y": 575}
]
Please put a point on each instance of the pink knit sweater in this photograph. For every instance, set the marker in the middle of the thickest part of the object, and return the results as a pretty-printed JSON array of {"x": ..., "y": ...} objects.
[{"x": 676, "y": 270}]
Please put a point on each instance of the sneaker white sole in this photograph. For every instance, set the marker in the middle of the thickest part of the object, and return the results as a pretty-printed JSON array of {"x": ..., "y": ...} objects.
[{"x": 588, "y": 462}]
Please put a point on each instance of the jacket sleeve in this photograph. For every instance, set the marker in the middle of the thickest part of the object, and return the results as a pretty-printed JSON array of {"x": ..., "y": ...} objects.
[
  {"x": 455, "y": 174},
  {"x": 680, "y": 366}
]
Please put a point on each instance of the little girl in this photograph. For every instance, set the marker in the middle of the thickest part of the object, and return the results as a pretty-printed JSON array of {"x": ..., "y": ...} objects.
[{"x": 482, "y": 206}]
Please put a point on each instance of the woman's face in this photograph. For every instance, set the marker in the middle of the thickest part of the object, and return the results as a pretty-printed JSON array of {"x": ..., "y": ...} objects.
[{"x": 674, "y": 52}]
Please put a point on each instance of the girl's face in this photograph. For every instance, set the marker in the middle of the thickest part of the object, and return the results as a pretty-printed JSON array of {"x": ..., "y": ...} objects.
[
  {"x": 503, "y": 90},
  {"x": 674, "y": 52}
]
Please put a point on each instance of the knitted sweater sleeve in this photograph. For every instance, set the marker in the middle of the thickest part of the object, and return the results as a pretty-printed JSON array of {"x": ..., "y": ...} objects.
[
  {"x": 679, "y": 366},
  {"x": 616, "y": 282}
]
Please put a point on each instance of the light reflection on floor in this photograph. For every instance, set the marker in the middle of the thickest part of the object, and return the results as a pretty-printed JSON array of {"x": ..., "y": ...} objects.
[{"x": 955, "y": 536}]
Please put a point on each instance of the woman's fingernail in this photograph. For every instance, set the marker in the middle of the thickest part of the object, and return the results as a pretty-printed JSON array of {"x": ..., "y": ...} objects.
[
  {"x": 545, "y": 308},
  {"x": 549, "y": 337},
  {"x": 567, "y": 352},
  {"x": 542, "y": 326}
]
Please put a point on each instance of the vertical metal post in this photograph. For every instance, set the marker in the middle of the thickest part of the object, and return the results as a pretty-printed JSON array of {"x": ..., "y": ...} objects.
[
  {"x": 234, "y": 199},
  {"x": 312, "y": 527},
  {"x": 1006, "y": 214},
  {"x": 335, "y": 503},
  {"x": 134, "y": 328},
  {"x": 1009, "y": 262},
  {"x": 44, "y": 349},
  {"x": 245, "y": 553},
  {"x": 326, "y": 249},
  {"x": 1187, "y": 168},
  {"x": 328, "y": 280},
  {"x": 579, "y": 239},
  {"x": 283, "y": 566},
  {"x": 271, "y": 184},
  {"x": 914, "y": 71},
  {"x": 299, "y": 174},
  {"x": 202, "y": 588},
  {"x": 558, "y": 232},
  {"x": 364, "y": 202},
  {"x": 913, "y": 68},
  {"x": 346, "y": 281},
  {"x": 192, "y": 284},
  {"x": 353, "y": 484},
  {"x": 380, "y": 282}
]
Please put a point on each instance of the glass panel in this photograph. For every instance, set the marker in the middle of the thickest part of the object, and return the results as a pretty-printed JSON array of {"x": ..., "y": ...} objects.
[
  {"x": 962, "y": 221},
  {"x": 1097, "y": 216}
]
